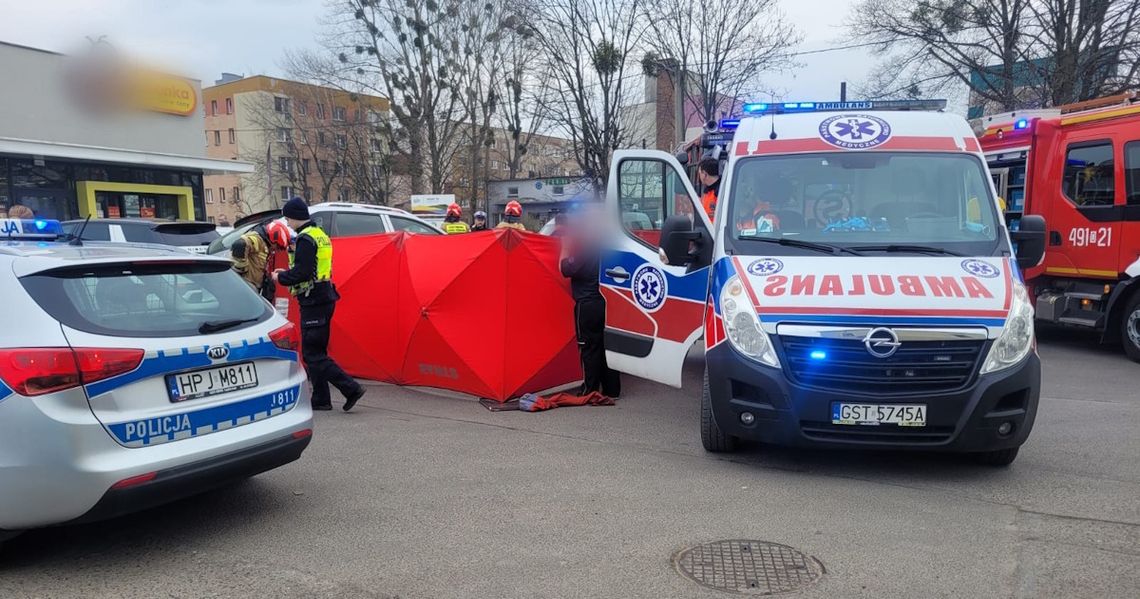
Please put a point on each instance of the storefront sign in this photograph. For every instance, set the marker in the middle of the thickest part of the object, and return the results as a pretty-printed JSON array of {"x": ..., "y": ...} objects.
[
  {"x": 159, "y": 92},
  {"x": 431, "y": 204}
]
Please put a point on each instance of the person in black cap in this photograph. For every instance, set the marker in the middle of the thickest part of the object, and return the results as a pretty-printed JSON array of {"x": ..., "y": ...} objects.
[{"x": 309, "y": 279}]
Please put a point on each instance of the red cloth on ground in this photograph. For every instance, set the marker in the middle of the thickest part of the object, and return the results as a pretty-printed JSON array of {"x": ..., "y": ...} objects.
[{"x": 563, "y": 400}]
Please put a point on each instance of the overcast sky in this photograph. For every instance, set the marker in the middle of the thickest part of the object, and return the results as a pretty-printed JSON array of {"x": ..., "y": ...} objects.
[{"x": 202, "y": 38}]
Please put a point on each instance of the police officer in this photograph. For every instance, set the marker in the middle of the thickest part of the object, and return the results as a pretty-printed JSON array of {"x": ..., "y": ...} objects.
[
  {"x": 480, "y": 221},
  {"x": 452, "y": 223},
  {"x": 709, "y": 174},
  {"x": 309, "y": 279},
  {"x": 579, "y": 263}
]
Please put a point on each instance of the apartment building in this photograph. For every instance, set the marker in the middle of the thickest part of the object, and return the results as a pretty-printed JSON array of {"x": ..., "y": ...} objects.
[{"x": 321, "y": 143}]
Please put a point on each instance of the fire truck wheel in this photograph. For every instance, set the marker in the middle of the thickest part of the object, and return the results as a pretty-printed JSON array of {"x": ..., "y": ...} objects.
[
  {"x": 1130, "y": 329},
  {"x": 712, "y": 437}
]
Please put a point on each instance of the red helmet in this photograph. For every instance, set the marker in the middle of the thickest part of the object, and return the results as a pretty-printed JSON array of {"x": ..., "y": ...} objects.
[
  {"x": 454, "y": 210},
  {"x": 513, "y": 209},
  {"x": 278, "y": 233}
]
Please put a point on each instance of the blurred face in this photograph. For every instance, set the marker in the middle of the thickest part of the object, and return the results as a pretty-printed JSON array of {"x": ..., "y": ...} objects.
[
  {"x": 480, "y": 220},
  {"x": 294, "y": 223}
]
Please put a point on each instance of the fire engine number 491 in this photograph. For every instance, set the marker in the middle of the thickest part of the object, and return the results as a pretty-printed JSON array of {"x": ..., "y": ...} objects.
[{"x": 1101, "y": 237}]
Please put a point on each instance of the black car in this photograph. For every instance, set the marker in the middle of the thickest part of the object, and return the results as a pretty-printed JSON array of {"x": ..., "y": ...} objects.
[{"x": 189, "y": 235}]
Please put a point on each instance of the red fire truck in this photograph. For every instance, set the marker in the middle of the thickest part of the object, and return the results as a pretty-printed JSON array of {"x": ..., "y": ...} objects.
[{"x": 1078, "y": 166}]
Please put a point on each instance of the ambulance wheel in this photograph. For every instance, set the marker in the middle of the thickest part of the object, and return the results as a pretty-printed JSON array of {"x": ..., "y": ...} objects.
[
  {"x": 1130, "y": 329},
  {"x": 1001, "y": 457},
  {"x": 712, "y": 437}
]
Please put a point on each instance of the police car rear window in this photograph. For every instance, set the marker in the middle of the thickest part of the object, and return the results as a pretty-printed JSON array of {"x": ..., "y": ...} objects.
[{"x": 147, "y": 299}]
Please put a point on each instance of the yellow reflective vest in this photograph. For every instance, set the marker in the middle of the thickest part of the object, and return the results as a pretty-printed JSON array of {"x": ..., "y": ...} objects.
[
  {"x": 324, "y": 260},
  {"x": 455, "y": 227}
]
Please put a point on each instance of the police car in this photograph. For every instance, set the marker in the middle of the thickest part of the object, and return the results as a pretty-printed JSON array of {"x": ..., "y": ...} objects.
[
  {"x": 855, "y": 288},
  {"x": 134, "y": 375}
]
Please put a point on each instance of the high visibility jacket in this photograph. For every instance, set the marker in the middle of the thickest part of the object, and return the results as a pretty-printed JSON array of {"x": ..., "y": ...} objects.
[
  {"x": 324, "y": 260},
  {"x": 510, "y": 225},
  {"x": 451, "y": 228}
]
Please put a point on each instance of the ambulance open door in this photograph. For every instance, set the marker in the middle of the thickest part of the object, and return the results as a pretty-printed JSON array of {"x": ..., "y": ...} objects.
[{"x": 654, "y": 310}]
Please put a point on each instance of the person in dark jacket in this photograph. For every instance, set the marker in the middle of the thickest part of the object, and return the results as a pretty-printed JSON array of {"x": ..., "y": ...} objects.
[
  {"x": 309, "y": 279},
  {"x": 579, "y": 263}
]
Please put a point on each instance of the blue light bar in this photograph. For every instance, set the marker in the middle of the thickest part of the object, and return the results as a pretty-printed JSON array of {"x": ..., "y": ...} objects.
[
  {"x": 893, "y": 105},
  {"x": 729, "y": 123},
  {"x": 1021, "y": 124},
  {"x": 40, "y": 228},
  {"x": 818, "y": 355}
]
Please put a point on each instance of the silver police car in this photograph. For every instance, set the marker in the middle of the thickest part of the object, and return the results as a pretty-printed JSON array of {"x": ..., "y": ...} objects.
[{"x": 134, "y": 375}]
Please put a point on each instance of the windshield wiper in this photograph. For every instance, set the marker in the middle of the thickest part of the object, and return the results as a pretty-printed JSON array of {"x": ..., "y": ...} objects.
[
  {"x": 916, "y": 249},
  {"x": 218, "y": 326},
  {"x": 825, "y": 248}
]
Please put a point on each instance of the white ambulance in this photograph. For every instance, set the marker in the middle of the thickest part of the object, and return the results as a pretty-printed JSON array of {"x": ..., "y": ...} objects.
[{"x": 855, "y": 288}]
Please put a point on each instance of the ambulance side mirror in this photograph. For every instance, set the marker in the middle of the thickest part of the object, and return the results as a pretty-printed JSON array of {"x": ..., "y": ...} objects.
[
  {"x": 1030, "y": 240},
  {"x": 679, "y": 242}
]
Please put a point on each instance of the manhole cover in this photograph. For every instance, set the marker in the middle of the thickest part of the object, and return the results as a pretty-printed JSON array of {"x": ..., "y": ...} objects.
[{"x": 753, "y": 567}]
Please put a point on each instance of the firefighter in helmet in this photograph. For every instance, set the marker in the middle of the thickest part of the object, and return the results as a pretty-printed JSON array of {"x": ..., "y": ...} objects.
[
  {"x": 511, "y": 215},
  {"x": 452, "y": 224},
  {"x": 254, "y": 255}
]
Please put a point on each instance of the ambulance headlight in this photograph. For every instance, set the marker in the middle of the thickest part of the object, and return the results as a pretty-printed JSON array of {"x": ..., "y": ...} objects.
[
  {"x": 742, "y": 325},
  {"x": 1016, "y": 339}
]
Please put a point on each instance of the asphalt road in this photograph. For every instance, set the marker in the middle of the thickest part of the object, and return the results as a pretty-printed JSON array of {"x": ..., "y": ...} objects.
[{"x": 417, "y": 495}]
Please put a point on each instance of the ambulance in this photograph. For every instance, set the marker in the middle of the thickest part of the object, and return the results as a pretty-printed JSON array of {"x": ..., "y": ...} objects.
[{"x": 856, "y": 287}]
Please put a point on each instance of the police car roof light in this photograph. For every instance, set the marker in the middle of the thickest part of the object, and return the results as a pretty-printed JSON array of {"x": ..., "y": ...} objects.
[
  {"x": 38, "y": 229},
  {"x": 795, "y": 107}
]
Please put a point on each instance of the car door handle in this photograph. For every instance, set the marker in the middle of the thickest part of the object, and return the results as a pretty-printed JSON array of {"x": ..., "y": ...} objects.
[{"x": 618, "y": 274}]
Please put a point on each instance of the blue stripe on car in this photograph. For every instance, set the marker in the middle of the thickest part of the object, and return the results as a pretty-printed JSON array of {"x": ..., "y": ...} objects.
[
  {"x": 693, "y": 286},
  {"x": 182, "y": 359},
  {"x": 163, "y": 429}
]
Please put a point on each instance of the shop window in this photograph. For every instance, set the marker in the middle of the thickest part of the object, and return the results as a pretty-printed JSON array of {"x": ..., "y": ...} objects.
[
  {"x": 209, "y": 196},
  {"x": 1088, "y": 179},
  {"x": 233, "y": 138},
  {"x": 1131, "y": 172},
  {"x": 229, "y": 105},
  {"x": 213, "y": 108}
]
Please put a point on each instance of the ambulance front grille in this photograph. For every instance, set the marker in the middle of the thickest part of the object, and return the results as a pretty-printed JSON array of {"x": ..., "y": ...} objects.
[{"x": 845, "y": 365}]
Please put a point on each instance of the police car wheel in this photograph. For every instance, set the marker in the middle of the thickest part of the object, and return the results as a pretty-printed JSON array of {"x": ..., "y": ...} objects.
[
  {"x": 712, "y": 437},
  {"x": 1000, "y": 457},
  {"x": 1130, "y": 328}
]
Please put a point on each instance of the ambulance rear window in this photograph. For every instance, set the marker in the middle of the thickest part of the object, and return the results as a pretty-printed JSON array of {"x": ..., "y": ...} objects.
[{"x": 856, "y": 198}]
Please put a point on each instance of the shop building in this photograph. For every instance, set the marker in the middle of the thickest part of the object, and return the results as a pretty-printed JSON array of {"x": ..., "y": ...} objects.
[{"x": 74, "y": 145}]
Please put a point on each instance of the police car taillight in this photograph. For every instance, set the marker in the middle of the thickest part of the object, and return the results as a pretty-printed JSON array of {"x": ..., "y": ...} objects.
[
  {"x": 286, "y": 337},
  {"x": 33, "y": 371}
]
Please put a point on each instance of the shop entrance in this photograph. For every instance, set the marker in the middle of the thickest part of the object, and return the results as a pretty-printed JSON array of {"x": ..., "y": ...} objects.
[{"x": 118, "y": 204}]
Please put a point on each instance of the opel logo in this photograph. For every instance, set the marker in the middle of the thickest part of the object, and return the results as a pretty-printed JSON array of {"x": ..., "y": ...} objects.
[
  {"x": 881, "y": 342},
  {"x": 218, "y": 352}
]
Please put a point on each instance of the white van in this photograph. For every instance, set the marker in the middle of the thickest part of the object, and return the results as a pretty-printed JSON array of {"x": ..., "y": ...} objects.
[{"x": 856, "y": 287}]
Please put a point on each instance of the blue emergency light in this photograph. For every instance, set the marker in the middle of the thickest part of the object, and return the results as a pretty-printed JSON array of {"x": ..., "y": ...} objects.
[
  {"x": 818, "y": 355},
  {"x": 39, "y": 228},
  {"x": 729, "y": 123},
  {"x": 795, "y": 107},
  {"x": 1021, "y": 124}
]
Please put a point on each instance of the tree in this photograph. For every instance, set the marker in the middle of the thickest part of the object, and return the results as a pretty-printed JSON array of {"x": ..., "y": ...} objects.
[
  {"x": 718, "y": 48},
  {"x": 587, "y": 54},
  {"x": 1010, "y": 53},
  {"x": 405, "y": 50},
  {"x": 525, "y": 103}
]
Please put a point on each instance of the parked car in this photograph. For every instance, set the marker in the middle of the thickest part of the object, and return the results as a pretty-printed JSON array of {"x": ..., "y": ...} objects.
[
  {"x": 191, "y": 236},
  {"x": 133, "y": 376},
  {"x": 338, "y": 219}
]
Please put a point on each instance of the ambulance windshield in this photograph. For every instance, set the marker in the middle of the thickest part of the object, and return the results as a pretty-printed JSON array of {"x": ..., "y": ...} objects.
[{"x": 872, "y": 199}]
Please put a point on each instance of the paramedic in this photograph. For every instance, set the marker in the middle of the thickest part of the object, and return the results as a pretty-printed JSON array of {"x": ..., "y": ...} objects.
[
  {"x": 309, "y": 279},
  {"x": 708, "y": 172}
]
